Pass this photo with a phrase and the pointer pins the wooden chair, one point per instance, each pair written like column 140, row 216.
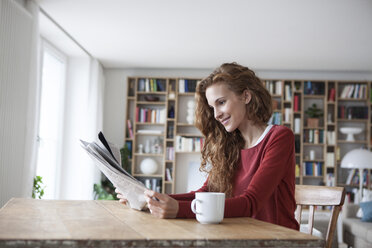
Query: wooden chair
column 311, row 196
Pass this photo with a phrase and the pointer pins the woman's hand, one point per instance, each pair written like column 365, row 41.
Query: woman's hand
column 122, row 199
column 165, row 207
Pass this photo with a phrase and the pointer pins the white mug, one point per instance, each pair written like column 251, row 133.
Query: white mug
column 209, row 207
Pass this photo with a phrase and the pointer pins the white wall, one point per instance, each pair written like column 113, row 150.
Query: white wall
column 115, row 101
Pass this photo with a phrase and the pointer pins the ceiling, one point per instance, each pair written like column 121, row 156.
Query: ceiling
column 333, row 35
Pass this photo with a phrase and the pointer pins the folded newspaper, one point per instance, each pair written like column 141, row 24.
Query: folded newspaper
column 107, row 158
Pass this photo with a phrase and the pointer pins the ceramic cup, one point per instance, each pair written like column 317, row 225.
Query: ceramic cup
column 209, row 207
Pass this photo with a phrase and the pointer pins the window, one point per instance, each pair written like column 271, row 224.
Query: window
column 51, row 118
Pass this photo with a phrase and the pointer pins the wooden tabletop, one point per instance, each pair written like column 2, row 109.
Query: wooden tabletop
column 56, row 223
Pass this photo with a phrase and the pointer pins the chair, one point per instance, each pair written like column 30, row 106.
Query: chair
column 311, row 196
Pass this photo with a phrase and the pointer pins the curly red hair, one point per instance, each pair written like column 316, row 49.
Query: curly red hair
column 222, row 149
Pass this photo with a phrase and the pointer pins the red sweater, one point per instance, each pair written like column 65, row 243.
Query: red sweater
column 264, row 183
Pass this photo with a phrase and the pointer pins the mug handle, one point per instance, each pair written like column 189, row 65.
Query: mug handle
column 193, row 206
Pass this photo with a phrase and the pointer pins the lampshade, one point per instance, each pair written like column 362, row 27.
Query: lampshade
column 357, row 159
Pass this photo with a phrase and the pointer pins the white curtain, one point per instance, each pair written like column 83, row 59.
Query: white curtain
column 18, row 97
column 83, row 120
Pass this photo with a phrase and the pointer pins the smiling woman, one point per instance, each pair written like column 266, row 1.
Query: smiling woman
column 248, row 160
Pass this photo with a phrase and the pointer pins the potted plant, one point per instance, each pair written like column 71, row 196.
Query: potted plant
column 313, row 113
column 38, row 188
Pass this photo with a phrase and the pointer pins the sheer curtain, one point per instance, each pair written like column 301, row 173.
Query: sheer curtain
column 83, row 120
column 18, row 97
column 19, row 109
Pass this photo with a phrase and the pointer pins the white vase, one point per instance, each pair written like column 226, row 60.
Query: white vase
column 147, row 147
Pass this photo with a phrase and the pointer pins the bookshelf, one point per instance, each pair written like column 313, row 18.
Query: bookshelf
column 353, row 110
column 318, row 149
column 157, row 127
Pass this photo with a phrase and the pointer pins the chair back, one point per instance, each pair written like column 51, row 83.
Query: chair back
column 311, row 196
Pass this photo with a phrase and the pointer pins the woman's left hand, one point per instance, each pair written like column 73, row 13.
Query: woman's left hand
column 165, row 207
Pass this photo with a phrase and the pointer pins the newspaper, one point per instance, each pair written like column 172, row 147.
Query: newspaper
column 107, row 158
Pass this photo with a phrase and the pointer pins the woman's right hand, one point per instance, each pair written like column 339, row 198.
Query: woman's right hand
column 122, row 199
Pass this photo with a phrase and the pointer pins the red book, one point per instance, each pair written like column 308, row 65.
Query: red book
column 295, row 103
column 332, row 93
column 137, row 114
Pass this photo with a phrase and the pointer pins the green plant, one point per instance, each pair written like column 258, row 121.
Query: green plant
column 38, row 188
column 125, row 154
column 100, row 192
column 314, row 112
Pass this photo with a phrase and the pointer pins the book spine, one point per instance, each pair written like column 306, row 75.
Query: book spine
column 130, row 130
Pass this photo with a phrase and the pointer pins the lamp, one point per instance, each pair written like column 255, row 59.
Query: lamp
column 358, row 159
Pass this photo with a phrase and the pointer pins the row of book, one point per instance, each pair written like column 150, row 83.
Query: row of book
column 331, row 137
column 153, row 184
column 353, row 112
column 276, row 119
column 287, row 92
column 313, row 168
column 356, row 91
column 189, row 144
column 151, row 85
column 151, row 115
column 330, row 180
column 287, row 114
column 169, row 153
column 274, row 87
column 314, row 88
column 187, row 85
column 353, row 177
column 314, row 136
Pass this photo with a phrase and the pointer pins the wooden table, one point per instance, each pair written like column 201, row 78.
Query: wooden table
column 52, row 223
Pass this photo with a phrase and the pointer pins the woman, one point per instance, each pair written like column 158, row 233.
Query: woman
column 252, row 162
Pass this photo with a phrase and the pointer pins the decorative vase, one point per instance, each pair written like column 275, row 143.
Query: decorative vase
column 147, row 147
column 148, row 166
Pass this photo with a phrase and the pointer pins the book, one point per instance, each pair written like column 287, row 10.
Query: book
column 330, row 159
column 332, row 95
column 297, row 125
column 296, row 103
column 130, row 129
column 108, row 161
column 181, row 86
column 288, row 92
column 168, row 175
column 278, row 87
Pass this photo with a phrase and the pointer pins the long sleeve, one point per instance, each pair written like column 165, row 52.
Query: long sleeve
column 184, row 201
column 264, row 185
